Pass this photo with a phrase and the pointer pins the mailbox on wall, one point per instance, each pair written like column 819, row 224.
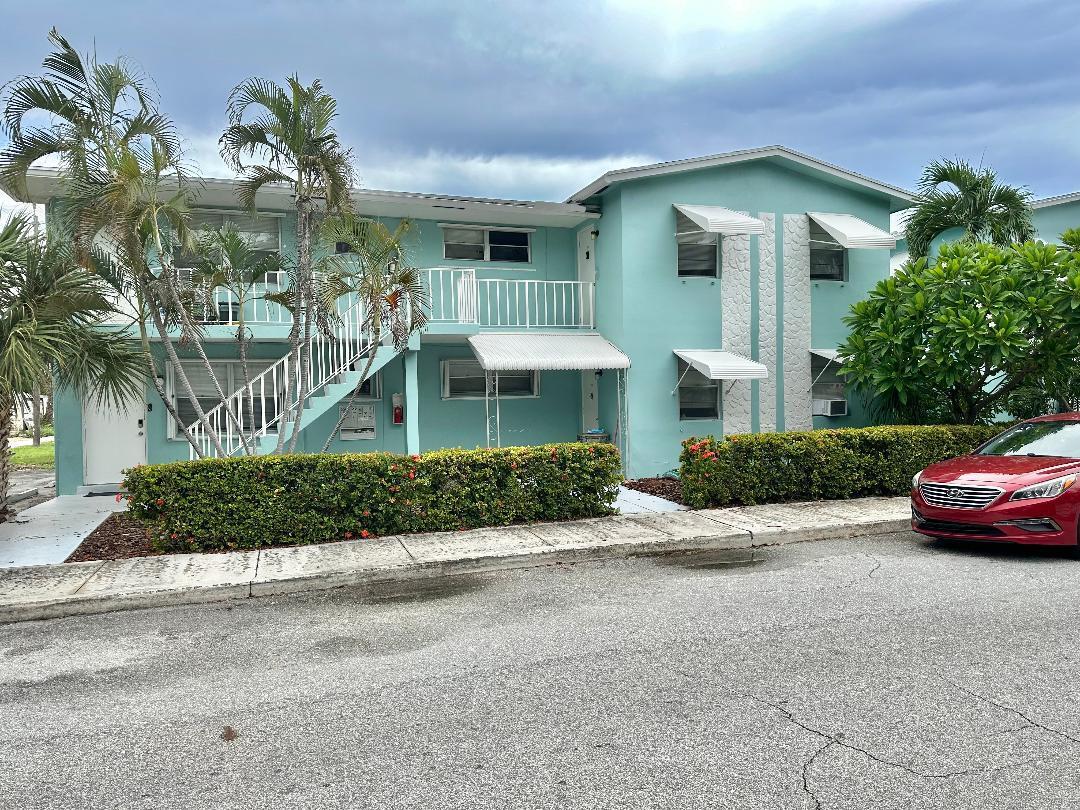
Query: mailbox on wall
column 360, row 422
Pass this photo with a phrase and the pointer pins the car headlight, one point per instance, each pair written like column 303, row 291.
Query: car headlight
column 915, row 481
column 1046, row 489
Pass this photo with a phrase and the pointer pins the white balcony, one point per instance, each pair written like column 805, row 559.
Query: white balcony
column 457, row 296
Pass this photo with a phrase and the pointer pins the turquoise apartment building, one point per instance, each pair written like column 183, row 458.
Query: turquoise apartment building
column 658, row 302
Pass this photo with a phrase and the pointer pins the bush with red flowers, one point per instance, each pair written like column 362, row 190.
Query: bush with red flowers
column 815, row 465
column 251, row 502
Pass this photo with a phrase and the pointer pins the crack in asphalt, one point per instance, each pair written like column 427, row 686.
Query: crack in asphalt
column 806, row 773
column 877, row 565
column 838, row 739
column 1031, row 723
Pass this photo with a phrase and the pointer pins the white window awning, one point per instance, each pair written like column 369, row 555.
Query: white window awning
column 831, row 355
column 518, row 351
column 852, row 232
column 714, row 219
column 718, row 365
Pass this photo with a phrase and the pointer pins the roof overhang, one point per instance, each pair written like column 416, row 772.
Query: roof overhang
column 852, row 232
column 832, row 355
column 898, row 198
column 543, row 351
column 44, row 184
column 714, row 219
column 720, row 365
column 1061, row 199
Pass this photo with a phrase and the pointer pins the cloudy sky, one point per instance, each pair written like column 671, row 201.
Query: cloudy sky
column 535, row 99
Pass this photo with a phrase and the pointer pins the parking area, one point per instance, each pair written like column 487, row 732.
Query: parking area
column 882, row 672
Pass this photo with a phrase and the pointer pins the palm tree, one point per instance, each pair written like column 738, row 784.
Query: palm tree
column 375, row 270
column 126, row 187
column 293, row 135
column 225, row 260
column 954, row 194
column 51, row 327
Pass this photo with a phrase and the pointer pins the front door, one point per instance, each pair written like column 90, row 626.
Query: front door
column 114, row 439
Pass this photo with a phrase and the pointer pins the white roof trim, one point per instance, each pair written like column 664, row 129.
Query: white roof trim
column 714, row 219
column 673, row 166
column 1060, row 199
column 719, row 365
column 543, row 351
column 831, row 355
column 852, row 232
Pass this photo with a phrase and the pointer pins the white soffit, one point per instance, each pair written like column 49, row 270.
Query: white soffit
column 518, row 351
column 826, row 354
column 718, row 365
column 714, row 219
column 852, row 232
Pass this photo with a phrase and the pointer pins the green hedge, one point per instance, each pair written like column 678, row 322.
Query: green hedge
column 216, row 504
column 818, row 464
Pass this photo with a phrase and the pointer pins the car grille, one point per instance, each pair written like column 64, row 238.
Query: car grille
column 954, row 496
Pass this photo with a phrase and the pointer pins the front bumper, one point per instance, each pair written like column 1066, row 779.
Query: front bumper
column 1033, row 522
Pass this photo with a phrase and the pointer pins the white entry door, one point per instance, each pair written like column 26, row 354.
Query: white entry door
column 114, row 439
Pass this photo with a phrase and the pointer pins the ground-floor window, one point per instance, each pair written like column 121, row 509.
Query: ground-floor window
column 699, row 397
column 230, row 377
column 827, row 392
column 465, row 379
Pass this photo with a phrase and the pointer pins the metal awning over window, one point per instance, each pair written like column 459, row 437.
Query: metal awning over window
column 714, row 219
column 852, row 232
column 832, row 355
column 718, row 365
column 546, row 352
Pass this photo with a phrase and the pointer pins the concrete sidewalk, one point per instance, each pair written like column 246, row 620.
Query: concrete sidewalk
column 46, row 591
column 49, row 532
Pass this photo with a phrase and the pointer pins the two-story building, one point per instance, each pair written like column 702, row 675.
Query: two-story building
column 684, row 298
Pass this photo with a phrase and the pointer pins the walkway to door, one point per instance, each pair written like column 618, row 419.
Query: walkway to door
column 47, row 533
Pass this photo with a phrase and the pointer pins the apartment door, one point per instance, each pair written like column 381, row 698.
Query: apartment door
column 114, row 439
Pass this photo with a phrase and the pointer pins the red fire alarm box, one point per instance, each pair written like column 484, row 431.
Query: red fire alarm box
column 399, row 410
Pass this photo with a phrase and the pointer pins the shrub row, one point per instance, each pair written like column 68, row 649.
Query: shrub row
column 236, row 503
column 818, row 464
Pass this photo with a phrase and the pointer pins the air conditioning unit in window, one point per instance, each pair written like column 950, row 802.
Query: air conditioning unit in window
column 830, row 407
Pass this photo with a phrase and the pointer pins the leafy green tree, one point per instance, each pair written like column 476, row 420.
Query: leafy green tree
column 954, row 194
column 52, row 314
column 964, row 334
column 292, row 134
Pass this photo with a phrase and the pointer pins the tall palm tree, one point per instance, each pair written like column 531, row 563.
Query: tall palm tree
column 954, row 194
column 51, row 327
column 126, row 186
column 292, row 134
column 375, row 269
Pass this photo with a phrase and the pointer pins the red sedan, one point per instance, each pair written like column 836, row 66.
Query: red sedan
column 1019, row 487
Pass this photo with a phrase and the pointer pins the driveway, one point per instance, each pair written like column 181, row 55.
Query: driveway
column 884, row 673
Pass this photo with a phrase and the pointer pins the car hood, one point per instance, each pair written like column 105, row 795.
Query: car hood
column 1000, row 469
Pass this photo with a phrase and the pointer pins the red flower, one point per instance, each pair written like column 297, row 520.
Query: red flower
column 412, row 473
column 348, row 535
column 365, row 533
column 367, row 513
column 415, row 457
column 160, row 501
column 173, row 535
column 119, row 496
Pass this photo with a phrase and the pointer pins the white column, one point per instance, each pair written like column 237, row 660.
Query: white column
column 767, row 322
column 735, row 315
column 797, row 405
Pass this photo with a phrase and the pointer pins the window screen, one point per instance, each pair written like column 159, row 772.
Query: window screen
column 699, row 397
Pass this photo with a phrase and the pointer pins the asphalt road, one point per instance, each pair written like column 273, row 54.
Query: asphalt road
column 874, row 673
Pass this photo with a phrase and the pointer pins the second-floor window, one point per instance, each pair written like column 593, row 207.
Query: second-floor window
column 828, row 258
column 699, row 252
column 487, row 244
column 262, row 233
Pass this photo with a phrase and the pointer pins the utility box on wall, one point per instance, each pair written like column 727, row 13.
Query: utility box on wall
column 360, row 422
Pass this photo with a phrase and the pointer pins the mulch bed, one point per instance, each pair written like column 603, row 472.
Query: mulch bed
column 669, row 488
column 119, row 537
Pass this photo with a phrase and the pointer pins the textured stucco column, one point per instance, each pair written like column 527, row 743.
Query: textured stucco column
column 796, row 381
column 412, row 402
column 767, row 323
column 735, row 320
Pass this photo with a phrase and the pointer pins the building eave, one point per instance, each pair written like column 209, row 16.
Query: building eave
column 899, row 198
column 1060, row 199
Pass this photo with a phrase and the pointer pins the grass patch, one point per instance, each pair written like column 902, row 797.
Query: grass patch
column 30, row 456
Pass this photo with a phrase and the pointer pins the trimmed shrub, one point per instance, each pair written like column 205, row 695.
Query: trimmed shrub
column 818, row 464
column 250, row 502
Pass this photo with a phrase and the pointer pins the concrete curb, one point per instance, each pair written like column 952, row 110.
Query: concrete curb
column 52, row 591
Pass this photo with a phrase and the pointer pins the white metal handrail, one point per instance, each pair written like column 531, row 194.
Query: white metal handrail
column 331, row 355
column 457, row 296
column 451, row 294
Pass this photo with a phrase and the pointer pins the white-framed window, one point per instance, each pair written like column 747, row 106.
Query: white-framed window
column 230, row 376
column 699, row 397
column 261, row 231
column 371, row 388
column 828, row 258
column 482, row 244
column 698, row 251
column 464, row 379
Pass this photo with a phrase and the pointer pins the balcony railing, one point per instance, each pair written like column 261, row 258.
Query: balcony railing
column 458, row 296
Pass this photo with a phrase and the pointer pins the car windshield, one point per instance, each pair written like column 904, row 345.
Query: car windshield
column 1037, row 439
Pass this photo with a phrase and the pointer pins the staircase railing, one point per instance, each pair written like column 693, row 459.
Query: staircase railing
column 332, row 354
